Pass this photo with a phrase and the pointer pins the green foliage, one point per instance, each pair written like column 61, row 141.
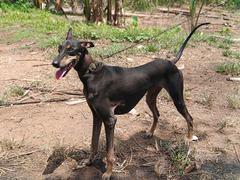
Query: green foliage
column 213, row 41
column 23, row 5
column 231, row 68
column 107, row 50
column 233, row 4
column 48, row 30
column 143, row 5
column 151, row 48
column 180, row 158
column 231, row 54
column 139, row 5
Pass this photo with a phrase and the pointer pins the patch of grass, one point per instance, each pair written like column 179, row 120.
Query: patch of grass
column 2, row 101
column 229, row 68
column 206, row 100
column 213, row 41
column 14, row 91
column 179, row 157
column 151, row 48
column 107, row 50
column 8, row 144
column 233, row 101
column 231, row 54
column 225, row 31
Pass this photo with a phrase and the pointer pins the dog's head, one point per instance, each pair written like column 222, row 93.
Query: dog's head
column 71, row 51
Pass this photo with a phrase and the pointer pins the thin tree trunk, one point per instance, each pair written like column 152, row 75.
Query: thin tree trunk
column 87, row 10
column 118, row 13
column 99, row 11
column 109, row 12
column 93, row 10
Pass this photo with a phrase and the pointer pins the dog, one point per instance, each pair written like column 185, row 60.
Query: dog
column 113, row 90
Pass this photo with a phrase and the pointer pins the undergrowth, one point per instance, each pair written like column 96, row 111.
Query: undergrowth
column 48, row 30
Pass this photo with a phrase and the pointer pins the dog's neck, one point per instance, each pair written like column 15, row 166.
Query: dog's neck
column 82, row 66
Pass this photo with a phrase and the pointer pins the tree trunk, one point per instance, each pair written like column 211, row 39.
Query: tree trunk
column 118, row 13
column 99, row 13
column 87, row 10
column 109, row 12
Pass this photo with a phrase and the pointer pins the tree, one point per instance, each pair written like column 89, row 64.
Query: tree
column 109, row 12
column 118, row 13
column 93, row 11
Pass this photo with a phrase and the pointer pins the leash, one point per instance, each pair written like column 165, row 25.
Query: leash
column 153, row 39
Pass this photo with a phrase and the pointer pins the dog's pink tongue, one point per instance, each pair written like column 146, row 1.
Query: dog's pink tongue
column 59, row 74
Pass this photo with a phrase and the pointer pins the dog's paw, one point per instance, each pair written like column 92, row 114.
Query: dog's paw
column 188, row 140
column 148, row 135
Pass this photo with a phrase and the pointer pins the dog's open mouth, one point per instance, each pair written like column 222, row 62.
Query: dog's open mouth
column 64, row 70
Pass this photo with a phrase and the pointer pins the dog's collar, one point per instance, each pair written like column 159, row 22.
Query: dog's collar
column 94, row 67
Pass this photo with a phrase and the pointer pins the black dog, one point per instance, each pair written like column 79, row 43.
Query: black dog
column 111, row 90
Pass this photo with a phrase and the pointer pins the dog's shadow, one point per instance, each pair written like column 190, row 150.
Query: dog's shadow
column 135, row 157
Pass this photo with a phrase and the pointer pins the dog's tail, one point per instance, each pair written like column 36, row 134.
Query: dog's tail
column 179, row 54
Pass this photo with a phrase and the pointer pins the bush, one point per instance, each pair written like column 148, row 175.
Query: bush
column 23, row 5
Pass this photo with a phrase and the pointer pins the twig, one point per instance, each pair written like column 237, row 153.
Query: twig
column 29, row 60
column 148, row 164
column 157, row 145
column 74, row 102
column 24, row 154
column 2, row 172
column 233, row 79
column 34, row 102
column 52, row 91
column 236, row 153
column 22, row 97
column 37, row 65
column 15, row 79
column 6, row 169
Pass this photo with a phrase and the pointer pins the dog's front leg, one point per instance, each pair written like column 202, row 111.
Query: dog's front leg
column 97, row 124
column 109, row 130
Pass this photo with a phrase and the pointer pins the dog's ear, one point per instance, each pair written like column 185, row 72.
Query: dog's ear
column 87, row 44
column 69, row 34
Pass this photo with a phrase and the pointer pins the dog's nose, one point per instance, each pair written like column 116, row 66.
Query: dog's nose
column 55, row 63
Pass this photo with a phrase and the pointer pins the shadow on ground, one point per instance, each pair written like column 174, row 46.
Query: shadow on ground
column 136, row 158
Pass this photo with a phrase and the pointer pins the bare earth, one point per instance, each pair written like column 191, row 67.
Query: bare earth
column 37, row 129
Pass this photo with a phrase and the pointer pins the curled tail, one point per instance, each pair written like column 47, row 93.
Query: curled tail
column 179, row 54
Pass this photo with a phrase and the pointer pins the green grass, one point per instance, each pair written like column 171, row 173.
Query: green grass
column 233, row 101
column 14, row 91
column 231, row 54
column 229, row 68
column 213, row 41
column 48, row 30
column 179, row 157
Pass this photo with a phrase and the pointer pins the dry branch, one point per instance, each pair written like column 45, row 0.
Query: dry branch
column 54, row 92
column 37, row 65
column 233, row 79
column 24, row 154
column 34, row 102
column 236, row 153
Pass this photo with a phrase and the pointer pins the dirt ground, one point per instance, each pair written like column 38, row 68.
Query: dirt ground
column 32, row 132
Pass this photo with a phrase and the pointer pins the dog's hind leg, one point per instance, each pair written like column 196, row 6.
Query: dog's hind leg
column 151, row 99
column 175, row 90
